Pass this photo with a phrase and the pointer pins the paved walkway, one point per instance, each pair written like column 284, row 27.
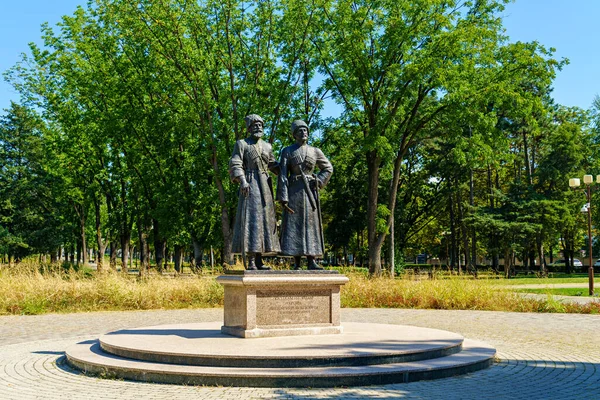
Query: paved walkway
column 563, row 299
column 540, row 356
column 550, row 286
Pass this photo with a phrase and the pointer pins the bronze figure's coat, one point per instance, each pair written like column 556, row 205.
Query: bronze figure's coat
column 255, row 226
column 301, row 232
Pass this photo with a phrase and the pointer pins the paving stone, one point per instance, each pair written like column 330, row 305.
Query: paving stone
column 542, row 356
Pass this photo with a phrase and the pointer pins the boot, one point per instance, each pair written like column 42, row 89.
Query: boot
column 297, row 263
column 260, row 265
column 312, row 265
column 251, row 264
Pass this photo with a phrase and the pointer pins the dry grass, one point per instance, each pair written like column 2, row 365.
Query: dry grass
column 28, row 291
column 448, row 294
column 31, row 289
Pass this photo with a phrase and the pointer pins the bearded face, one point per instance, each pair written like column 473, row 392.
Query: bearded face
column 256, row 130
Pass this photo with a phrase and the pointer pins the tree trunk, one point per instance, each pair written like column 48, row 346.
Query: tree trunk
column 373, row 161
column 392, row 251
column 80, row 210
column 493, row 235
column 463, row 233
column 532, row 257
column 113, row 255
column 507, row 263
column 100, row 243
column 143, row 247
column 159, row 246
column 159, row 254
column 540, row 251
column 78, row 251
column 357, row 252
column 198, row 252
column 178, row 258
column 567, row 251
column 125, row 239
column 362, row 244
column 453, row 241
column 84, row 258
column 463, row 230
column 72, row 255
column 226, row 220
column 473, row 232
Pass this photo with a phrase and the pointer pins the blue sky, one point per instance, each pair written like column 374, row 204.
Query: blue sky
column 566, row 25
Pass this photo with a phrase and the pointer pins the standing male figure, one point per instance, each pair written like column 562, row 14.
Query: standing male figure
column 298, row 191
column 255, row 229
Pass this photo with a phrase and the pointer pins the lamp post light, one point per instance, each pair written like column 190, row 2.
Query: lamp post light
column 588, row 180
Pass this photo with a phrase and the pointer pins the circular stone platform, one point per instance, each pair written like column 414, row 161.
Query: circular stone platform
column 200, row 354
column 203, row 344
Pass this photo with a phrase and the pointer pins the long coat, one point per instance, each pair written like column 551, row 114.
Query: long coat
column 301, row 233
column 254, row 159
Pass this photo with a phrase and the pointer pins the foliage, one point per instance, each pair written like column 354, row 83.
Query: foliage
column 449, row 142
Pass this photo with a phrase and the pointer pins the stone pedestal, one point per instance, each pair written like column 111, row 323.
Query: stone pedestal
column 282, row 303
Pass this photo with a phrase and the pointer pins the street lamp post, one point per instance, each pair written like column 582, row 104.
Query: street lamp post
column 588, row 180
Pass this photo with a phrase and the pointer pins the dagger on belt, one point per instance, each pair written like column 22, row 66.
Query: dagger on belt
column 297, row 160
column 309, row 192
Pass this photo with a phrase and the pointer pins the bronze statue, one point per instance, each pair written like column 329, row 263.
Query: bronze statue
column 298, row 191
column 255, row 229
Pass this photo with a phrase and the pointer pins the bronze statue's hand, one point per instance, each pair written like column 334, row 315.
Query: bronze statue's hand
column 245, row 188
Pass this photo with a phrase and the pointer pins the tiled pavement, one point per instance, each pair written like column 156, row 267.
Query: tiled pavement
column 541, row 356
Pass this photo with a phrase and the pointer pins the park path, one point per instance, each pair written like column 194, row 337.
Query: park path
column 540, row 356
column 549, row 286
column 560, row 298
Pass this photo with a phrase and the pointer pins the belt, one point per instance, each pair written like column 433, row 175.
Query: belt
column 298, row 177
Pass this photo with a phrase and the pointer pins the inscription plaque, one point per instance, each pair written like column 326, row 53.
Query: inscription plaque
column 275, row 308
column 284, row 303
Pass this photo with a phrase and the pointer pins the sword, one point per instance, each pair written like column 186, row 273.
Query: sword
column 309, row 193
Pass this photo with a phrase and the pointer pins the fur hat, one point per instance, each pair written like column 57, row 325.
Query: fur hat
column 297, row 124
column 253, row 118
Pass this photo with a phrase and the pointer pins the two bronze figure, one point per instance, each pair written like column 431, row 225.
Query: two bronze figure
column 255, row 229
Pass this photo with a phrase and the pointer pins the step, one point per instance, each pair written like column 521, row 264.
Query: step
column 473, row 355
column 203, row 344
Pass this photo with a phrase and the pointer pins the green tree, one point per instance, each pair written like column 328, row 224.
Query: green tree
column 31, row 219
column 399, row 67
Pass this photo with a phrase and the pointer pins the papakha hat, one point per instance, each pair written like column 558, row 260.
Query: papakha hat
column 297, row 124
column 253, row 118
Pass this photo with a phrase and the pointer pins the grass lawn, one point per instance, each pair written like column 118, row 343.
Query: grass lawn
column 552, row 279
column 583, row 292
